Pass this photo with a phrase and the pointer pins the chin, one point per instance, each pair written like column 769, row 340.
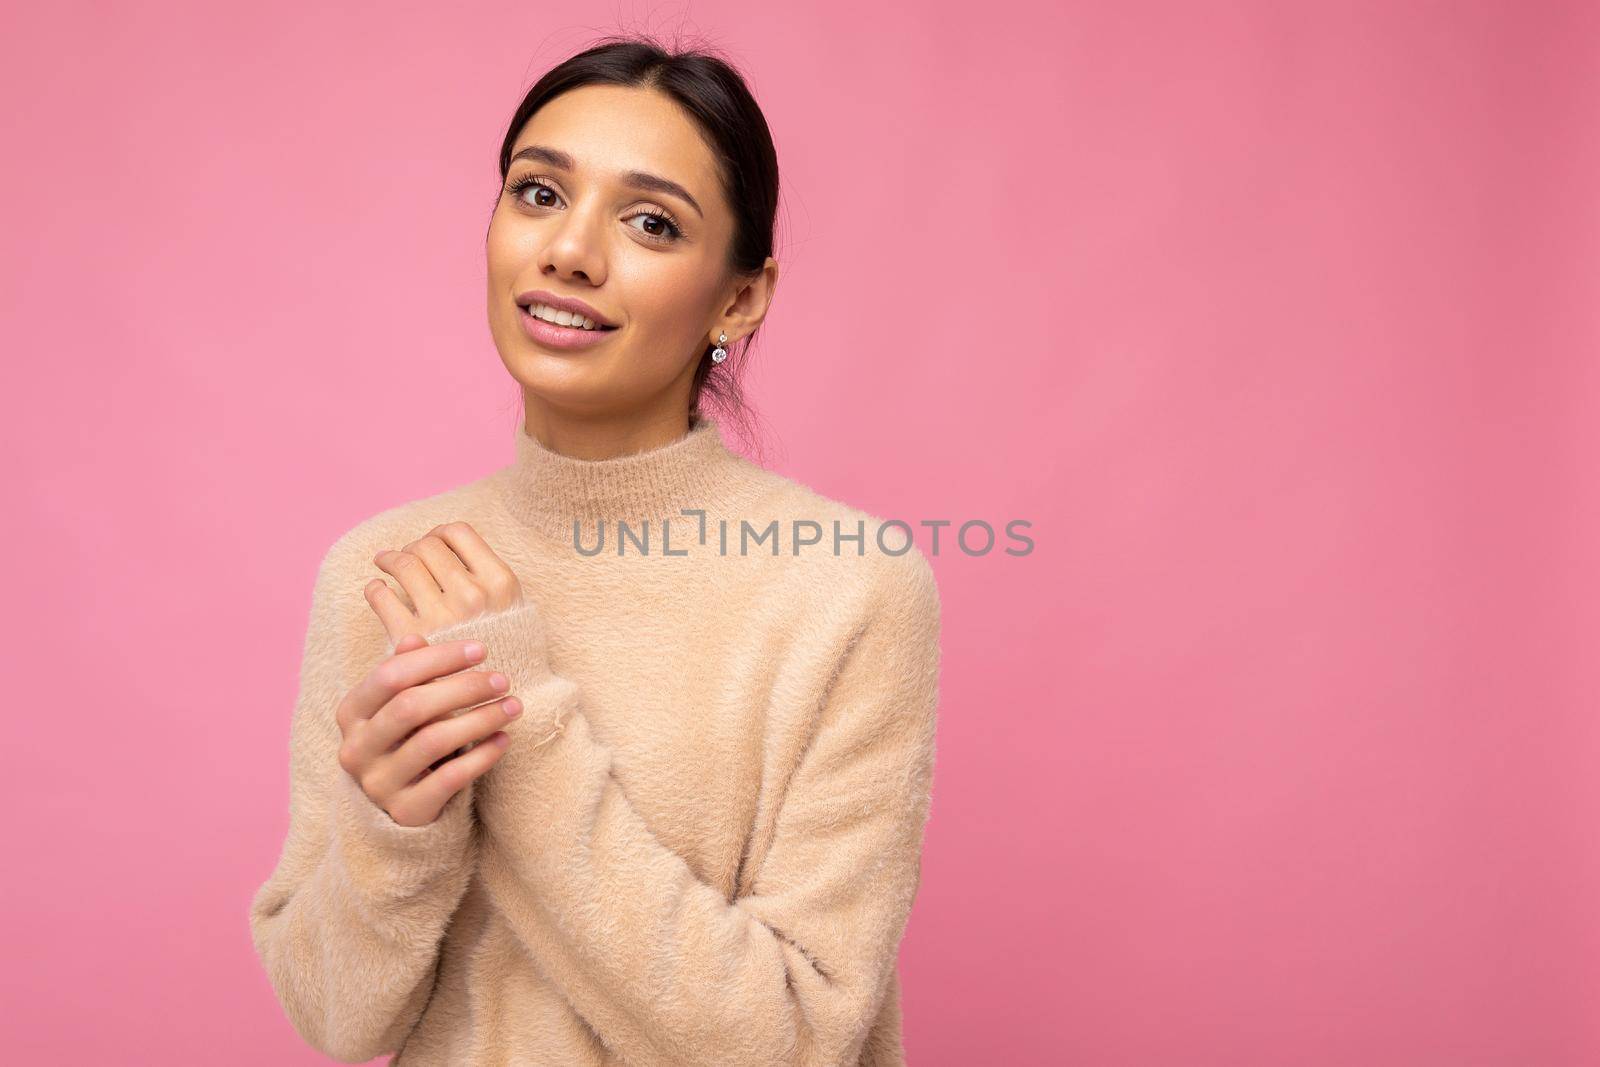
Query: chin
column 563, row 380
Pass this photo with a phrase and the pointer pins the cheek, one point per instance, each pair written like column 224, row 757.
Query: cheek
column 510, row 244
column 501, row 253
column 667, row 299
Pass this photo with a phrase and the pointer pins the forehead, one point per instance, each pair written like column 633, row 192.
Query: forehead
column 609, row 129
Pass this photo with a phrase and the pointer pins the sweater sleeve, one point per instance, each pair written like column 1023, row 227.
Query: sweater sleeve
column 662, row 965
column 348, row 925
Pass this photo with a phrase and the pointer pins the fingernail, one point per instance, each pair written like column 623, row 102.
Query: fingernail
column 474, row 650
column 513, row 707
column 498, row 681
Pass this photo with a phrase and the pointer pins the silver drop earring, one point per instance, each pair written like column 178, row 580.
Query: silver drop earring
column 719, row 353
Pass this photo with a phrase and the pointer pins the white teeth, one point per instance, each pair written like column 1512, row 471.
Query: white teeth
column 561, row 318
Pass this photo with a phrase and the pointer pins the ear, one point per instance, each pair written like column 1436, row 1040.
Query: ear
column 751, row 298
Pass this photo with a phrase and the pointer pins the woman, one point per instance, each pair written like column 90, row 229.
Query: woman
column 657, row 804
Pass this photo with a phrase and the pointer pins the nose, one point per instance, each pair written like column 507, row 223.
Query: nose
column 575, row 248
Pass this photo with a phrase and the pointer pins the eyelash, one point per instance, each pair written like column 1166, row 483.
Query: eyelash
column 516, row 187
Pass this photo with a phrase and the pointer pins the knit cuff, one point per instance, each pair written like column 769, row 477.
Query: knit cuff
column 385, row 858
column 513, row 638
column 516, row 645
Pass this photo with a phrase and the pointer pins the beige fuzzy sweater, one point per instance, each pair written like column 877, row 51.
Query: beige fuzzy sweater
column 703, row 843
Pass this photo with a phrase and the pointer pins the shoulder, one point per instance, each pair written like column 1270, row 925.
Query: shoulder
column 351, row 552
column 346, row 567
column 342, row 623
column 880, row 612
column 856, row 556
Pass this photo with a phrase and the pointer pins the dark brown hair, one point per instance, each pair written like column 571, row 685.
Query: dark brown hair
column 716, row 97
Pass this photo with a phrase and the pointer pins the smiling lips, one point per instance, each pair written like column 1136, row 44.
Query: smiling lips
column 556, row 335
column 569, row 304
column 564, row 317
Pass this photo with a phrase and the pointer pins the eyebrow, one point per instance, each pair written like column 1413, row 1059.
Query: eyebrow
column 637, row 179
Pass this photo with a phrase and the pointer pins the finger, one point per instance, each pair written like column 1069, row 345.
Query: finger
column 414, row 708
column 473, row 551
column 409, row 642
column 402, row 671
column 446, row 566
column 415, row 578
column 423, row 801
column 439, row 742
column 395, row 616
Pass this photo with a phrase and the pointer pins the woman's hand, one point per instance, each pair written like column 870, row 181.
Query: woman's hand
column 402, row 723
column 450, row 575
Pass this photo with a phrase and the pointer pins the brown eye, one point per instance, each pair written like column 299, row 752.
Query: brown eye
column 657, row 226
column 520, row 186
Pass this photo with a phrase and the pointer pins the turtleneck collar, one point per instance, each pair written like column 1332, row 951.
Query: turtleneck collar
column 547, row 490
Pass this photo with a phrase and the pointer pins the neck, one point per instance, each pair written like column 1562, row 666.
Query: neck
column 549, row 490
column 603, row 437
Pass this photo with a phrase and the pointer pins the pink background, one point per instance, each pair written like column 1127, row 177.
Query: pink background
column 1277, row 321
